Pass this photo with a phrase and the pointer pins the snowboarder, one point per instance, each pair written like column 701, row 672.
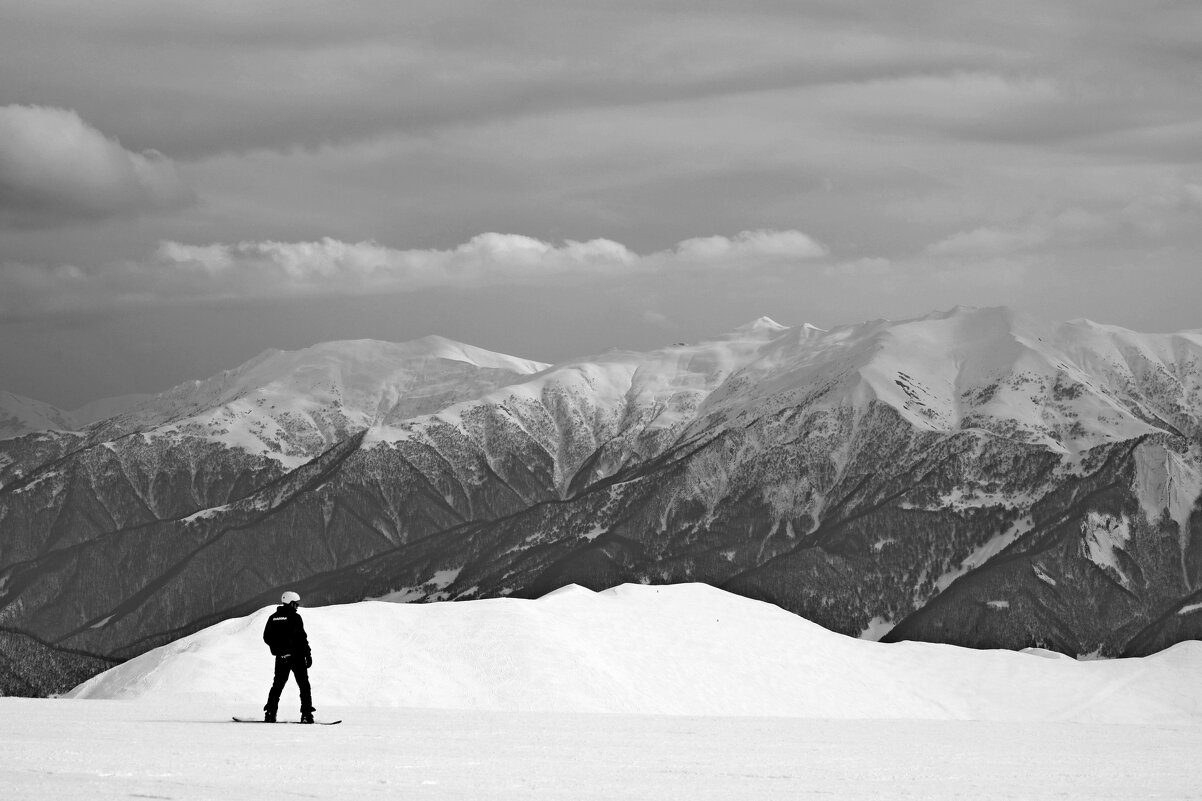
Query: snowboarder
column 285, row 635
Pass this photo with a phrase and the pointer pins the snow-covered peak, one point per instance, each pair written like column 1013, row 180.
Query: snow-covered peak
column 20, row 415
column 611, row 397
column 1068, row 386
column 295, row 403
column 684, row 649
column 995, row 369
column 761, row 326
column 1073, row 383
column 357, row 366
column 434, row 346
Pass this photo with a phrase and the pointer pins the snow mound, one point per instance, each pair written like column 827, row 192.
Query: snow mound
column 684, row 649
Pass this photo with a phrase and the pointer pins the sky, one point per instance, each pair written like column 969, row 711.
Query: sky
column 183, row 185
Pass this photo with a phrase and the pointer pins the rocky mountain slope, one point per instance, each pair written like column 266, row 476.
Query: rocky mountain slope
column 975, row 477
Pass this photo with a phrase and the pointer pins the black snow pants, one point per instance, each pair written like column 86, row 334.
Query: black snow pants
column 284, row 665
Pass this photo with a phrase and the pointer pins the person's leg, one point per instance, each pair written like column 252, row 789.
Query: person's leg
column 277, row 687
column 302, row 683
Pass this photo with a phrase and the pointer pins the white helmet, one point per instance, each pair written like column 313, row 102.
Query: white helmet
column 290, row 597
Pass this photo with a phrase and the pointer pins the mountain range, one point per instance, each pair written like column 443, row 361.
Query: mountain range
column 975, row 477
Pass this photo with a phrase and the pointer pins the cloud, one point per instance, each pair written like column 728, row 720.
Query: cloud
column 329, row 265
column 368, row 73
column 1175, row 206
column 657, row 319
column 750, row 245
column 990, row 241
column 870, row 267
column 56, row 169
column 178, row 272
column 877, row 130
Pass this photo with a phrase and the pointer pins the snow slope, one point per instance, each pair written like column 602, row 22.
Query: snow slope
column 291, row 405
column 1064, row 387
column 683, row 650
column 20, row 415
column 1067, row 386
column 614, row 408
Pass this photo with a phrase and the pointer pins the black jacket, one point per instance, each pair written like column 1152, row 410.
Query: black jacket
column 285, row 633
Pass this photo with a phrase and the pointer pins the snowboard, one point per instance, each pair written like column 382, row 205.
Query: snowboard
column 297, row 722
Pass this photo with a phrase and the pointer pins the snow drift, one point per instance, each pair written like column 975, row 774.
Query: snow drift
column 685, row 649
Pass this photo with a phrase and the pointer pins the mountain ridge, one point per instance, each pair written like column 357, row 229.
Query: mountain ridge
column 973, row 476
column 436, row 346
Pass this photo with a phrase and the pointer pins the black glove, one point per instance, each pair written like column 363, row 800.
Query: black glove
column 309, row 660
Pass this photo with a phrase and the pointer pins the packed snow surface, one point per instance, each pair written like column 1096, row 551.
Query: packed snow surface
column 765, row 706
column 101, row 750
column 683, row 649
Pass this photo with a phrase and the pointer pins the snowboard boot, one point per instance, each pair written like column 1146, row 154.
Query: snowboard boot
column 306, row 717
column 269, row 717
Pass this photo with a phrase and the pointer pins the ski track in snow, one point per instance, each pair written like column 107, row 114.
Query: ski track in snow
column 100, row 750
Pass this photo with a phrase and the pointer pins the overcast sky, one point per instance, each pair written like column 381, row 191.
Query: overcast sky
column 183, row 185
